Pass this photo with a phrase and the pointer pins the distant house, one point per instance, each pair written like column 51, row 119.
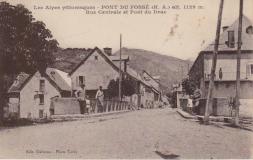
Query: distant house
column 177, row 94
column 116, row 59
column 147, row 95
column 154, row 83
column 225, row 74
column 30, row 95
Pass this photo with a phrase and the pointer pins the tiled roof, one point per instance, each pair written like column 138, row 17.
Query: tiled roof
column 57, row 78
column 19, row 82
column 137, row 76
column 247, row 39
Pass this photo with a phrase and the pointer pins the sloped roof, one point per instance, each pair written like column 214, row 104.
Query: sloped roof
column 96, row 49
column 151, row 76
column 60, row 78
column 247, row 39
column 137, row 76
column 157, row 77
column 19, row 82
column 58, row 81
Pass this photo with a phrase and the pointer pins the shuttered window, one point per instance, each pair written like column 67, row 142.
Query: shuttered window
column 80, row 80
column 249, row 70
column 41, row 96
column 231, row 39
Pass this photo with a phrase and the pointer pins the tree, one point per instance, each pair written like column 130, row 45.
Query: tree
column 113, row 88
column 188, row 86
column 128, row 87
column 25, row 45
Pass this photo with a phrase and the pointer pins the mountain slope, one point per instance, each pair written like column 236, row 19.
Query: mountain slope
column 170, row 69
column 67, row 59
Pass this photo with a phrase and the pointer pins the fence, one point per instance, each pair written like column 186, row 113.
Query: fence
column 60, row 106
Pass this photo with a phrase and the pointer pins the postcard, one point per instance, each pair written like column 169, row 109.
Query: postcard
column 126, row 79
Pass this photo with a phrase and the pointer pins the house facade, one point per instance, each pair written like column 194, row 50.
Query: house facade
column 95, row 70
column 225, row 73
column 151, row 81
column 30, row 95
column 146, row 95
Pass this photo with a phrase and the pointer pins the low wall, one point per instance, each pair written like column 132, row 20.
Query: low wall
column 220, row 107
column 65, row 106
column 246, row 108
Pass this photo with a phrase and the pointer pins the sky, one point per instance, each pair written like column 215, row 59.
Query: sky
column 181, row 33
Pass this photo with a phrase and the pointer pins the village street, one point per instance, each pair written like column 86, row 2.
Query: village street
column 135, row 134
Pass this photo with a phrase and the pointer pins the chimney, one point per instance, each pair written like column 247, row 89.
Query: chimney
column 108, row 51
column 224, row 28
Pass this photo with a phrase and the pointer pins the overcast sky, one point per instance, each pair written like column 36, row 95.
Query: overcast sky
column 179, row 33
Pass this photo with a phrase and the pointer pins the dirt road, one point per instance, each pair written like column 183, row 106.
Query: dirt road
column 135, row 134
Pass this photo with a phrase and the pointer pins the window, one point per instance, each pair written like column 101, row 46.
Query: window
column 42, row 85
column 231, row 39
column 41, row 96
column 80, row 80
column 96, row 57
column 251, row 69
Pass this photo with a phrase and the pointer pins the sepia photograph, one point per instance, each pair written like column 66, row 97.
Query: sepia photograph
column 126, row 79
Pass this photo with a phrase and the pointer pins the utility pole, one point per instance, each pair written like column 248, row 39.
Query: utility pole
column 238, row 66
column 214, row 61
column 120, row 75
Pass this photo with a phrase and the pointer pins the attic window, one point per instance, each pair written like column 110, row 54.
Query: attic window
column 96, row 57
column 42, row 85
column 249, row 30
column 231, row 39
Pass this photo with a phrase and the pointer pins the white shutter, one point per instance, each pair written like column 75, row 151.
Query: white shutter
column 77, row 81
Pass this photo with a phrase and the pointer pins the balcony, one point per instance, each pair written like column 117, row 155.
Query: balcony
column 228, row 76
